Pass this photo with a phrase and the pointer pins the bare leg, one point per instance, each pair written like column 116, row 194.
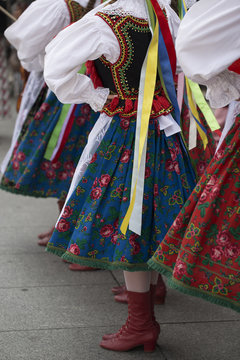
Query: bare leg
column 159, row 290
column 44, row 238
column 138, row 281
column 45, row 234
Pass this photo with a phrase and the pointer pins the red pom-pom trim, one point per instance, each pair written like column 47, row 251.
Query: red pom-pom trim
column 114, row 103
column 128, row 106
column 135, row 105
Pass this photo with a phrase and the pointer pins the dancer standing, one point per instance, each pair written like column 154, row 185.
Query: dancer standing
column 200, row 253
column 27, row 169
column 116, row 39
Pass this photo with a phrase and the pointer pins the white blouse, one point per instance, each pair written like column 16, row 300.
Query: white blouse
column 36, row 27
column 88, row 39
column 208, row 42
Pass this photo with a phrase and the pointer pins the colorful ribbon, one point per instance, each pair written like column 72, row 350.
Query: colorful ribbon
column 160, row 56
column 66, row 134
column 59, row 131
column 196, row 99
column 53, row 141
column 150, row 73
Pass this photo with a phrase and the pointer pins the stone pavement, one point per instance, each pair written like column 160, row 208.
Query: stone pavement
column 50, row 313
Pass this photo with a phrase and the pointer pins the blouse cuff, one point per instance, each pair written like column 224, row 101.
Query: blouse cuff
column 99, row 99
column 223, row 89
column 36, row 64
column 169, row 125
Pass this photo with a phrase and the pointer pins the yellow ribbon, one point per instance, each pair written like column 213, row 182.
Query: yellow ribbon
column 194, row 91
column 149, row 89
column 184, row 4
column 195, row 114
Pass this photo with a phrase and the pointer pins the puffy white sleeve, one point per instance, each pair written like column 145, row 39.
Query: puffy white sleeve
column 208, row 42
column 208, row 39
column 35, row 28
column 87, row 39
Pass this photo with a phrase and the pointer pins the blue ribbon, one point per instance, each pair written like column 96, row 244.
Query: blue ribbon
column 168, row 75
column 186, row 102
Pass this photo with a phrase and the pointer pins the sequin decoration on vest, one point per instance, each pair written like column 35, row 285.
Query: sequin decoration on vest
column 123, row 77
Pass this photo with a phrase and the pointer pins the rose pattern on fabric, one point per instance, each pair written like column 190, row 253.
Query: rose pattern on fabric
column 28, row 173
column 106, row 195
column 200, row 157
column 206, row 233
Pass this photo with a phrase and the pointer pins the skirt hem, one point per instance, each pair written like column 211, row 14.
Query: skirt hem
column 176, row 284
column 26, row 193
column 101, row 264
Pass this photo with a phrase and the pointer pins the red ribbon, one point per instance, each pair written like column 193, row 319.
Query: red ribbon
column 66, row 134
column 163, row 23
column 235, row 67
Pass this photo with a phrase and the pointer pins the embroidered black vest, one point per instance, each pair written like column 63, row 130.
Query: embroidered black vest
column 123, row 77
column 76, row 11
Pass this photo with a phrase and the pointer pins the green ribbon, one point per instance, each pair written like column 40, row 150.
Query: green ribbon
column 56, row 132
column 203, row 106
column 58, row 128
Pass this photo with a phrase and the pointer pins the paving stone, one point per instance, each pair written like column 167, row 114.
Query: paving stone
column 59, row 307
column 201, row 341
column 64, row 344
column 21, row 211
column 14, row 241
column 43, row 269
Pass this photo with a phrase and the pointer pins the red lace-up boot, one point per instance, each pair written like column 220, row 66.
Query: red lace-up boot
column 155, row 323
column 139, row 329
column 153, row 297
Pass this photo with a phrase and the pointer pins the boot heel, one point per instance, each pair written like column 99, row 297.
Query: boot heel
column 150, row 347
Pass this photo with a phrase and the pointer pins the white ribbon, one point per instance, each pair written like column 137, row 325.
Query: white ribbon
column 233, row 111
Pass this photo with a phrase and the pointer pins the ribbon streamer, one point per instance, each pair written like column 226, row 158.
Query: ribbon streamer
column 7, row 13
column 54, row 139
column 161, row 57
column 196, row 99
column 142, row 130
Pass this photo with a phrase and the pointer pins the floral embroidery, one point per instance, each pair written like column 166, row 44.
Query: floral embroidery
column 99, row 205
column 176, row 199
column 28, row 172
column 219, row 288
column 193, row 231
column 207, row 232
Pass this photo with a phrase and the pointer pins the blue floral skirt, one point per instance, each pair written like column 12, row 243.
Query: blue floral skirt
column 28, row 173
column 88, row 231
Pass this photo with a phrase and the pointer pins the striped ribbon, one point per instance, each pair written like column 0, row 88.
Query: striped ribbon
column 54, row 140
column 58, row 133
